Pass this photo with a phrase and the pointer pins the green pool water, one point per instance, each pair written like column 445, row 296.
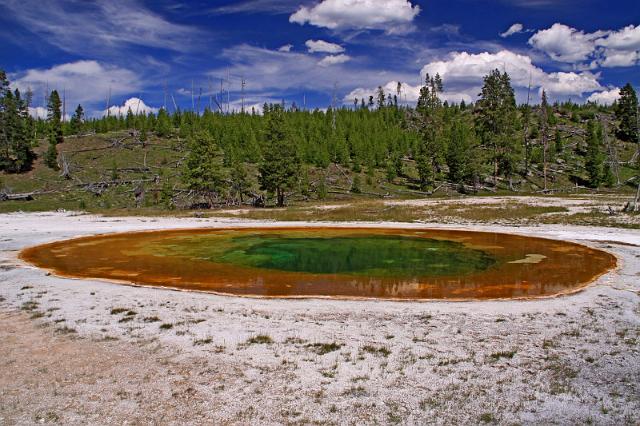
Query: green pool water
column 331, row 262
column 377, row 255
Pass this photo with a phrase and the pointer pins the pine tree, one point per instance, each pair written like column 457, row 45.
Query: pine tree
column 130, row 119
column 16, row 129
column 77, row 120
column 558, row 142
column 239, row 180
column 163, row 126
column 356, row 185
column 429, row 121
column 627, row 113
column 23, row 155
column 321, row 189
column 204, row 172
column 594, row 161
column 496, row 121
column 54, row 116
column 9, row 125
column 380, row 97
column 461, row 155
column 280, row 165
column 391, row 171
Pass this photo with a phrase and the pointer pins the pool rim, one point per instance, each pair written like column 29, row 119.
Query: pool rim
column 617, row 263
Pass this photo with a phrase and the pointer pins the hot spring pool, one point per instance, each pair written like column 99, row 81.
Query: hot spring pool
column 331, row 262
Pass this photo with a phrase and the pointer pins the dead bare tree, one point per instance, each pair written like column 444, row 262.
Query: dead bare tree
column 525, row 133
column 65, row 170
column 544, row 118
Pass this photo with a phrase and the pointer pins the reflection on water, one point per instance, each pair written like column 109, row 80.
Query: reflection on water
column 342, row 262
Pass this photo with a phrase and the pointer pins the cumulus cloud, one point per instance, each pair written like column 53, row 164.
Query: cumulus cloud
column 334, row 59
column 620, row 48
column 628, row 39
column 284, row 73
column 565, row 44
column 323, row 46
column 81, row 81
column 136, row 105
column 285, row 48
column 562, row 43
column 392, row 16
column 513, row 29
column 606, row 97
column 463, row 69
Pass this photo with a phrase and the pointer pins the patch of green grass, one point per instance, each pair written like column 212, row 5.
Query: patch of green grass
column 151, row 319
column 324, row 348
column 377, row 350
column 503, row 354
column 29, row 306
column 561, row 375
column 66, row 330
column 201, row 342
column 260, row 339
column 487, row 418
column 356, row 391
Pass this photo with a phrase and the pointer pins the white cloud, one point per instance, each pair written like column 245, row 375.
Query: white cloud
column 274, row 7
column 561, row 43
column 41, row 113
column 628, row 39
column 464, row 67
column 615, row 58
column 38, row 112
column 323, row 46
column 393, row 16
column 284, row 73
column 620, row 48
column 565, row 44
column 408, row 94
column 465, row 70
column 513, row 29
column 84, row 82
column 606, row 97
column 570, row 83
column 333, row 60
column 285, row 48
column 136, row 105
column 277, row 73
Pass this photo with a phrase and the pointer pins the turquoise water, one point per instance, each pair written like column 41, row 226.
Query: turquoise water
column 378, row 255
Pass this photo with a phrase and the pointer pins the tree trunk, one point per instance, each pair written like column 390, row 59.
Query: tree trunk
column 544, row 161
column 280, row 197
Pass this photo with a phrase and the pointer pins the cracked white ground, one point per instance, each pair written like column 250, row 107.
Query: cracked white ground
column 83, row 351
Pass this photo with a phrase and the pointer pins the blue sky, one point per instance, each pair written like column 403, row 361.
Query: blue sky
column 309, row 51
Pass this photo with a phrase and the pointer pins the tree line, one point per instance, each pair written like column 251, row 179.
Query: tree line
column 489, row 142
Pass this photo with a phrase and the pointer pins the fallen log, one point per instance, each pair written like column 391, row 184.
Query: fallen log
column 24, row 196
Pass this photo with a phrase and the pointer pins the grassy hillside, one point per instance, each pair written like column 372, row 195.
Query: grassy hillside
column 115, row 171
